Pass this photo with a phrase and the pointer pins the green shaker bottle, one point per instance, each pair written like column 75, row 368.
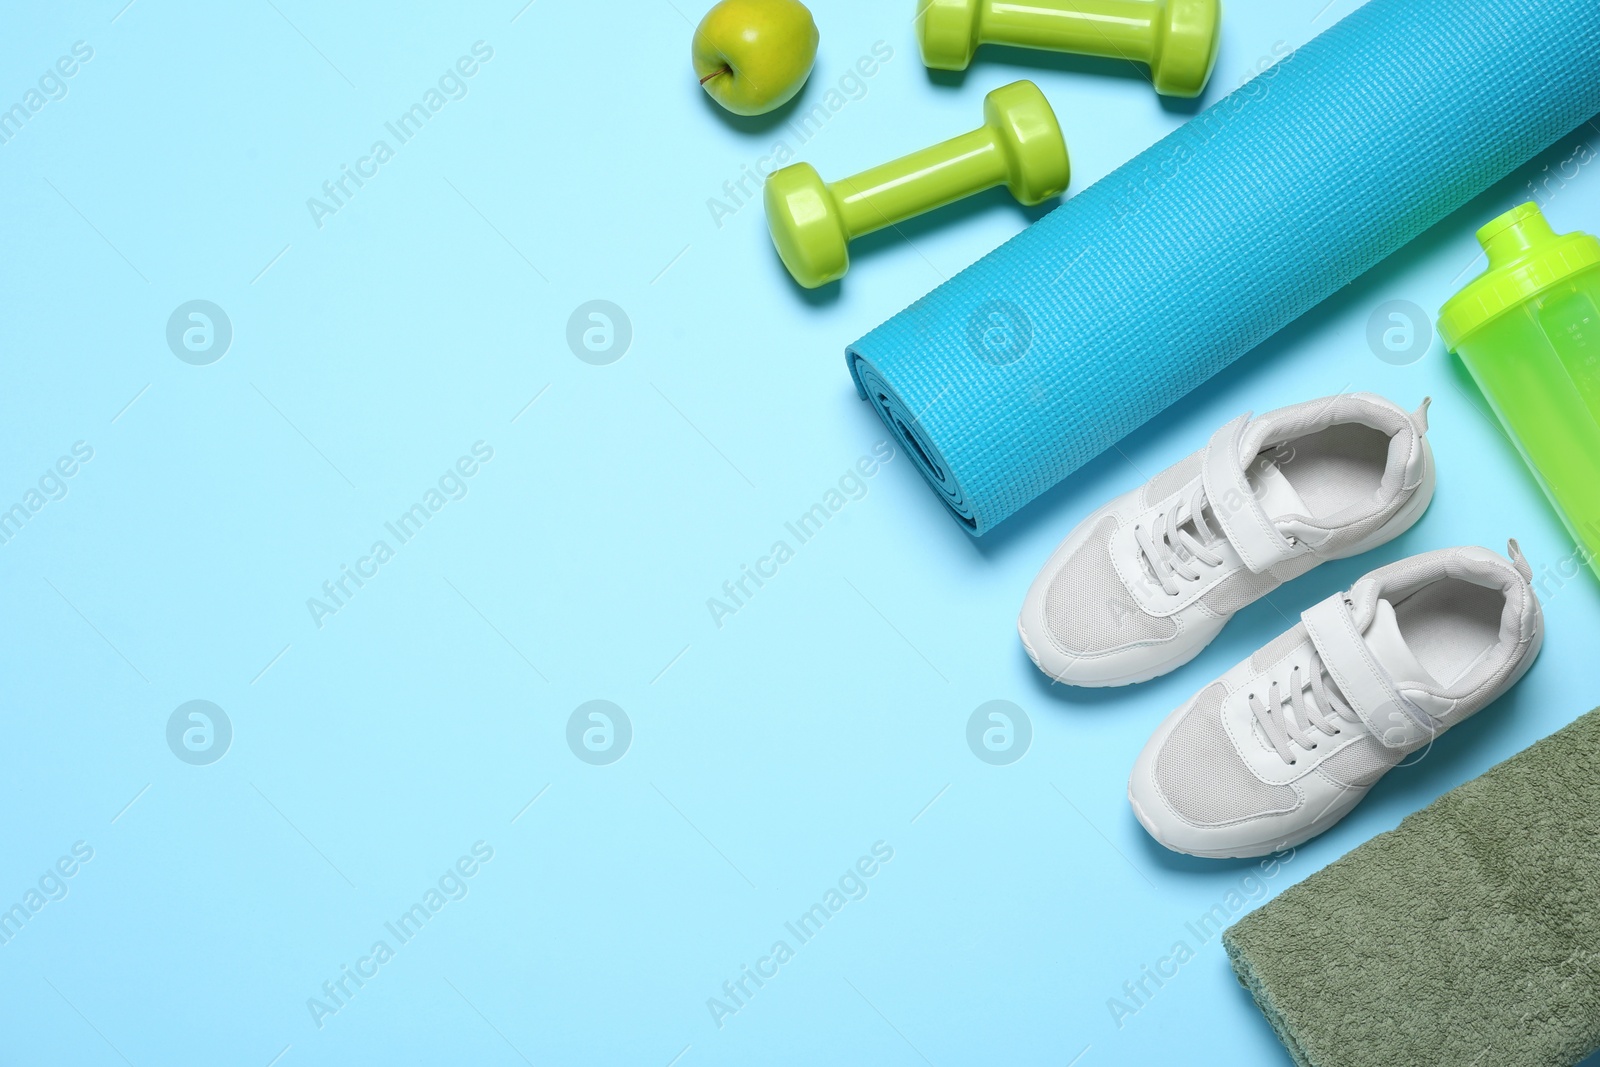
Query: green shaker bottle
column 1529, row 331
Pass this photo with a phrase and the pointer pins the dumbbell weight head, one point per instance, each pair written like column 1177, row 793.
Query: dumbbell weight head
column 806, row 225
column 1025, row 127
column 947, row 32
column 1186, row 46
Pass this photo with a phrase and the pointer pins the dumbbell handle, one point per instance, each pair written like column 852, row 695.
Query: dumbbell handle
column 1116, row 29
column 922, row 181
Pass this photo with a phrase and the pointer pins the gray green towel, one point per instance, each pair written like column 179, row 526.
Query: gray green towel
column 1468, row 936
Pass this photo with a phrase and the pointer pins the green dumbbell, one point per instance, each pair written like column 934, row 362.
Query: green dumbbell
column 1176, row 38
column 1019, row 146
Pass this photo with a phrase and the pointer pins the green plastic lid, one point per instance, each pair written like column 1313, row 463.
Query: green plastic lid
column 1526, row 257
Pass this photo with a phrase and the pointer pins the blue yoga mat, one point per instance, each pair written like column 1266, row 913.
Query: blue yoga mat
column 1035, row 359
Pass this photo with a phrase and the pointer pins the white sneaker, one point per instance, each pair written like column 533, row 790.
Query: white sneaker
column 1286, row 743
column 1141, row 586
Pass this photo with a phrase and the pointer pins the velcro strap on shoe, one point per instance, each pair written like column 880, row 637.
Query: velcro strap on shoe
column 1393, row 720
column 1244, row 521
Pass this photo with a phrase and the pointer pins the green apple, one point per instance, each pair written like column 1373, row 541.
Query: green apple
column 753, row 55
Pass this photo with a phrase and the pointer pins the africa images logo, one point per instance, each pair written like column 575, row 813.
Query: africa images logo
column 999, row 733
column 599, row 732
column 199, row 332
column 199, row 733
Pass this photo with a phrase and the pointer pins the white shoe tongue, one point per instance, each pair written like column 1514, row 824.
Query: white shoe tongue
column 1277, row 496
column 1389, row 648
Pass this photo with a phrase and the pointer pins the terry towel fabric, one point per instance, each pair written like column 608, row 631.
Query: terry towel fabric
column 1040, row 356
column 1469, row 935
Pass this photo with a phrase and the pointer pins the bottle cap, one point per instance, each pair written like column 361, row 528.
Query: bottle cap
column 1526, row 258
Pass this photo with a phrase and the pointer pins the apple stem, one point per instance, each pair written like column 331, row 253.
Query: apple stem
column 725, row 69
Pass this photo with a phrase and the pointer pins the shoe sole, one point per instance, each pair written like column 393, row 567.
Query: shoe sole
column 1145, row 675
column 1321, row 824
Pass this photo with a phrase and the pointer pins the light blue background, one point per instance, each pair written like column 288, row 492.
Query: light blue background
column 769, row 754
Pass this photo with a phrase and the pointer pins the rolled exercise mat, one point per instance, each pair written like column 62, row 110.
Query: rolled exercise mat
column 1468, row 935
column 1013, row 374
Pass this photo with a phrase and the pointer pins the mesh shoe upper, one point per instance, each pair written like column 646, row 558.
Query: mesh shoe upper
column 1089, row 608
column 1203, row 778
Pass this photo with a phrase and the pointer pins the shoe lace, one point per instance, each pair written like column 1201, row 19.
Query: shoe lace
column 1178, row 543
column 1286, row 716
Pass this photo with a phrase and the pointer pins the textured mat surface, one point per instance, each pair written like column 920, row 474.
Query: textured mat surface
column 1010, row 376
column 1468, row 935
